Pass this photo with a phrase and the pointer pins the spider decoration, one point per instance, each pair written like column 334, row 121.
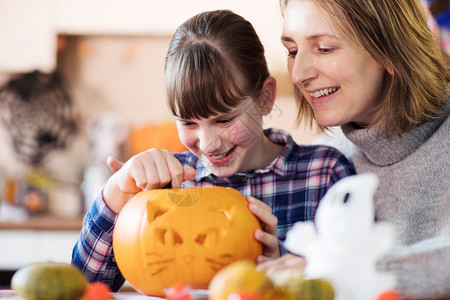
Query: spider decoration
column 37, row 112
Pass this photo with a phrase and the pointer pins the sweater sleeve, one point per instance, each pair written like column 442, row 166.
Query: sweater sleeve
column 422, row 269
column 93, row 252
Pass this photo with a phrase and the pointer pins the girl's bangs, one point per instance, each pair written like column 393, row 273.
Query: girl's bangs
column 203, row 84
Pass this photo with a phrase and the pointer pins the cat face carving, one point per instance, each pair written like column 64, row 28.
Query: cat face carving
column 163, row 237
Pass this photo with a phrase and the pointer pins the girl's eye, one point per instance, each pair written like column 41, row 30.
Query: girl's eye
column 226, row 121
column 187, row 124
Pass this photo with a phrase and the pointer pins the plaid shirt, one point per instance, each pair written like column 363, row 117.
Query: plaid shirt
column 292, row 185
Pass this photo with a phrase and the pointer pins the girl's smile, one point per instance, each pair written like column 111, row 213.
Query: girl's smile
column 221, row 159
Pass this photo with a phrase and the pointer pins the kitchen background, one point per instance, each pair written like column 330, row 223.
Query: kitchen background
column 83, row 79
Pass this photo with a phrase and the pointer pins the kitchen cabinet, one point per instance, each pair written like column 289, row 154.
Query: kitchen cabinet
column 161, row 18
column 29, row 28
column 135, row 17
column 38, row 239
column 27, row 36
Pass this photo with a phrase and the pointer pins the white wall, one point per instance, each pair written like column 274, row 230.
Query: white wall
column 162, row 17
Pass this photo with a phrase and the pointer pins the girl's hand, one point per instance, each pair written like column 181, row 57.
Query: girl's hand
column 267, row 236
column 287, row 261
column 151, row 169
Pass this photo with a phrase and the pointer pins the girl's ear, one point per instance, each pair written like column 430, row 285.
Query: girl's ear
column 267, row 97
column 390, row 70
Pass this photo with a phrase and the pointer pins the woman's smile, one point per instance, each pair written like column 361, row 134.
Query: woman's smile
column 323, row 95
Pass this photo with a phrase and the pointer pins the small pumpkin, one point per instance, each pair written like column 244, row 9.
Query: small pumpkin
column 49, row 281
column 182, row 236
column 241, row 280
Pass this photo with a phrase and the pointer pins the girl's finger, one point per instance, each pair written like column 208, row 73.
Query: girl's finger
column 114, row 164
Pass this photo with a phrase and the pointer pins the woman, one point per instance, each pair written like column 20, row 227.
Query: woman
column 373, row 67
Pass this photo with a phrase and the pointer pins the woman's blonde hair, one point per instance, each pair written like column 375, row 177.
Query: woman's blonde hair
column 396, row 35
column 215, row 60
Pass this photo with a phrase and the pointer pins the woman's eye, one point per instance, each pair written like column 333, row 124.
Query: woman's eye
column 325, row 50
column 292, row 53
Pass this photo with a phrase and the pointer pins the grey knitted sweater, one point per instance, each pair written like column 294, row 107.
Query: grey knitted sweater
column 414, row 196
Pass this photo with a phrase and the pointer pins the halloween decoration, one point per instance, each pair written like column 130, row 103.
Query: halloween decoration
column 107, row 134
column 37, row 112
column 345, row 243
column 182, row 236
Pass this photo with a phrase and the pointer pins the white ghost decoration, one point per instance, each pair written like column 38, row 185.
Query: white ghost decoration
column 345, row 243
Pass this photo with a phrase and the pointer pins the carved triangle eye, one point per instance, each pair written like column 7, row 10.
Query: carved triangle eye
column 156, row 210
column 226, row 211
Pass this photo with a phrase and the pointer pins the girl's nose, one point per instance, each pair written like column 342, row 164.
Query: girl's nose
column 210, row 140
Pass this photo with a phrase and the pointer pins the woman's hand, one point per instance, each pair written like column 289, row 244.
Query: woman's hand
column 287, row 261
column 267, row 236
column 151, row 169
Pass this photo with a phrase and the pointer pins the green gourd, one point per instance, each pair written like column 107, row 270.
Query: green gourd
column 315, row 289
column 49, row 281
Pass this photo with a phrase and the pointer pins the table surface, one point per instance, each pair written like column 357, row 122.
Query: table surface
column 12, row 295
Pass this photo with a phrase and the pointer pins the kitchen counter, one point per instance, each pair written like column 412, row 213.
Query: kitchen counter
column 44, row 223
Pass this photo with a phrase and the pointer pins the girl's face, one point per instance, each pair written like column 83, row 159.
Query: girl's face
column 228, row 143
column 340, row 80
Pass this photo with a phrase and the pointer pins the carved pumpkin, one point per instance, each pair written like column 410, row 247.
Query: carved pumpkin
column 182, row 236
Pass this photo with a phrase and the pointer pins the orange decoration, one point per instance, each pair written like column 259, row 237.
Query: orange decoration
column 97, row 291
column 183, row 236
column 178, row 292
column 160, row 135
column 389, row 295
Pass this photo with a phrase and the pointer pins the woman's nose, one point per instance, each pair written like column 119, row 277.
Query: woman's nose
column 303, row 69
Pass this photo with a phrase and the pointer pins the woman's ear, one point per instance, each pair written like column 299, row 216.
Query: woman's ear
column 267, row 97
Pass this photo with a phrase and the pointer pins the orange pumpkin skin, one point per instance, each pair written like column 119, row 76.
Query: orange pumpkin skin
column 183, row 236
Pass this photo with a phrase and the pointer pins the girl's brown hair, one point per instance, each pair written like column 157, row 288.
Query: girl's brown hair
column 215, row 60
column 396, row 35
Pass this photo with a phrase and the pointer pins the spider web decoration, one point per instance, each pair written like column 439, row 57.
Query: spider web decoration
column 38, row 114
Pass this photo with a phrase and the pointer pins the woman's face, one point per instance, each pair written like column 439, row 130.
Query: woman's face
column 340, row 80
